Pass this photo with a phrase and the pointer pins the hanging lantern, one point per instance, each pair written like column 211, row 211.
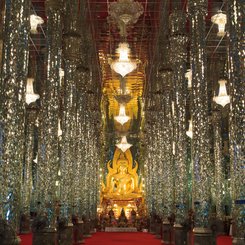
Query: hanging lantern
column 122, row 117
column 123, row 145
column 35, row 21
column 222, row 99
column 30, row 95
column 220, row 19
column 189, row 133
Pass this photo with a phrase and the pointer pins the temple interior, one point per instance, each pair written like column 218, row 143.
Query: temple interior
column 122, row 116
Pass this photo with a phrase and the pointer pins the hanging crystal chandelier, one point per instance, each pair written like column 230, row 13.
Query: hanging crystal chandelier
column 34, row 21
column 222, row 99
column 30, row 95
column 123, row 65
column 188, row 75
column 122, row 117
column 220, row 19
column 123, row 145
column 189, row 133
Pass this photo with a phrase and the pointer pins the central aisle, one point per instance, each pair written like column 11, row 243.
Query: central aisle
column 114, row 238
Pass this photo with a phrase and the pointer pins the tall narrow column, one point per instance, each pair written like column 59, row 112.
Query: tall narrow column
column 200, row 147
column 27, row 169
column 178, row 41
column 167, row 147
column 72, row 42
column 235, row 17
column 219, row 170
column 48, row 154
column 12, row 106
column 83, row 76
column 2, row 8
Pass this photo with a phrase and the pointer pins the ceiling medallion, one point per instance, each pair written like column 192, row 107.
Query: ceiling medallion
column 123, row 65
column 123, row 145
column 125, row 13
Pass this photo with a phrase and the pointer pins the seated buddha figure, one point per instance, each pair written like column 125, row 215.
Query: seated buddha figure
column 122, row 182
column 122, row 178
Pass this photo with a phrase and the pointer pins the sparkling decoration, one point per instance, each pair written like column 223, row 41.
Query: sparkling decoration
column 200, row 142
column 178, row 41
column 123, row 145
column 35, row 21
column 69, row 120
column 123, row 66
column 12, row 107
column 48, row 152
column 56, row 152
column 167, row 145
column 220, row 19
column 189, row 133
column 122, row 118
column 219, row 169
column 30, row 95
column 27, row 181
column 235, row 17
column 125, row 13
column 222, row 99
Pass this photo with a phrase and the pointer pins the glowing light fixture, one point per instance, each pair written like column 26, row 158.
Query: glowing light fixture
column 30, row 95
column 122, row 117
column 189, row 133
column 220, row 19
column 62, row 74
column 123, row 65
column 35, row 20
column 59, row 128
column 36, row 159
column 188, row 75
column 123, row 145
column 222, row 99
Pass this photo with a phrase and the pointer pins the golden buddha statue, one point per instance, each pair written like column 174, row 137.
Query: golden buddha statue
column 122, row 180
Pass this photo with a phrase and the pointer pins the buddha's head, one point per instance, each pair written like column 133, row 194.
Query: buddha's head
column 122, row 163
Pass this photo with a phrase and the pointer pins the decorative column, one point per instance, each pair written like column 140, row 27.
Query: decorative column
column 235, row 27
column 167, row 147
column 2, row 8
column 72, row 42
column 27, row 170
column 178, row 42
column 200, row 147
column 149, row 158
column 219, row 169
column 48, row 152
column 12, row 107
column 83, row 76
